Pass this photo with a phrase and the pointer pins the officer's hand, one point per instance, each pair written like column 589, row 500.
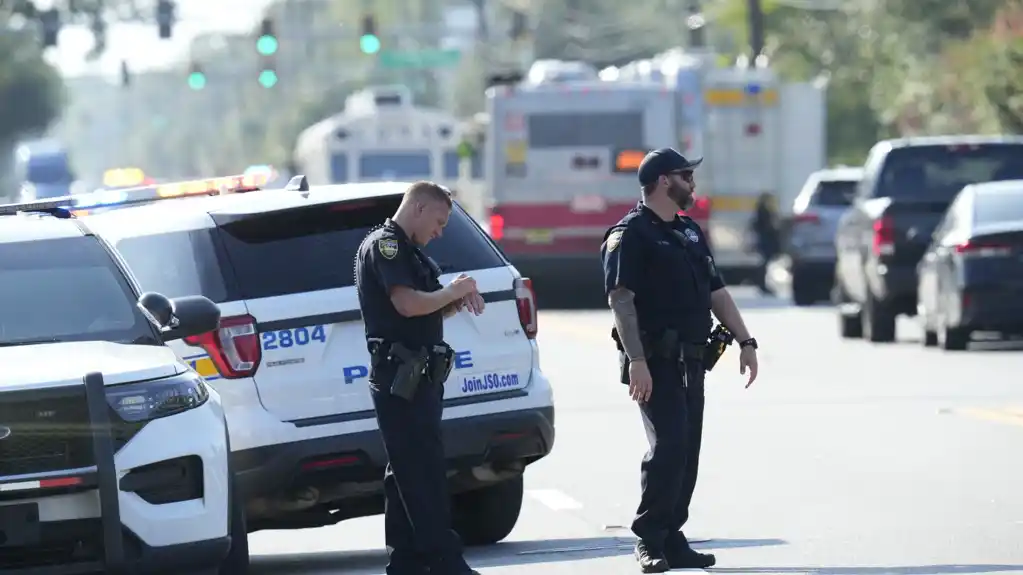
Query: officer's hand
column 462, row 286
column 640, row 382
column 474, row 303
column 748, row 361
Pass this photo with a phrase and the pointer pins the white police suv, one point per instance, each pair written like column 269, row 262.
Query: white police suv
column 290, row 359
column 113, row 451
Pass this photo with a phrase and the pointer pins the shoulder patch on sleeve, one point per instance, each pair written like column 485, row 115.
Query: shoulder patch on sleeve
column 615, row 239
column 388, row 247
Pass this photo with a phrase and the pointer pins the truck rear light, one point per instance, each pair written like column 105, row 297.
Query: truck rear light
column 983, row 249
column 496, row 227
column 884, row 236
column 233, row 347
column 525, row 300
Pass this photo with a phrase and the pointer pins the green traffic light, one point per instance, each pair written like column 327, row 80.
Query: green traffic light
column 197, row 80
column 369, row 44
column 268, row 78
column 267, row 45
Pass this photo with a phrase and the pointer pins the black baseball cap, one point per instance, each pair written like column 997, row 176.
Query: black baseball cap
column 662, row 162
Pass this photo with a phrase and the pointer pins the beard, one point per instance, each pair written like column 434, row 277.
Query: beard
column 682, row 195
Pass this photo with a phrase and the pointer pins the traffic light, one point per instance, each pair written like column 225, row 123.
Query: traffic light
column 268, row 78
column 49, row 21
column 196, row 77
column 369, row 42
column 165, row 16
column 267, row 43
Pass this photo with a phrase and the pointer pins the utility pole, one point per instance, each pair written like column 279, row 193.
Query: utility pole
column 756, row 28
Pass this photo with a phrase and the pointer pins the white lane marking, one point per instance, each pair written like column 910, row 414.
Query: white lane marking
column 554, row 499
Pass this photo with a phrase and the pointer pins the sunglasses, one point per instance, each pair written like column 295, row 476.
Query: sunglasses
column 687, row 175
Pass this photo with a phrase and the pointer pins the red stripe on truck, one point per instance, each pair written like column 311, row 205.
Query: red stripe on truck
column 558, row 215
column 557, row 228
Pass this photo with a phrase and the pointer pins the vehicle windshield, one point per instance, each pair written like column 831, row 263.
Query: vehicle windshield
column 48, row 170
column 395, row 165
column 937, row 173
column 66, row 289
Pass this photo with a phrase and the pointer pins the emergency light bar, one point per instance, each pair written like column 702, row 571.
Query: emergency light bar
column 146, row 194
column 59, row 207
column 80, row 205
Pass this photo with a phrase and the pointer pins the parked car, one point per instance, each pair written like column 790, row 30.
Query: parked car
column 907, row 186
column 811, row 242
column 971, row 277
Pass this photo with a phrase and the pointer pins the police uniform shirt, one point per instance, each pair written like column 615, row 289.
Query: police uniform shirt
column 668, row 266
column 388, row 258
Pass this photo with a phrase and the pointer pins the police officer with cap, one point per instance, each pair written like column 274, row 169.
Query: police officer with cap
column 404, row 306
column 662, row 286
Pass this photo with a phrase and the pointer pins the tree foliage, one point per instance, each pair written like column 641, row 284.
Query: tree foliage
column 30, row 89
column 900, row 66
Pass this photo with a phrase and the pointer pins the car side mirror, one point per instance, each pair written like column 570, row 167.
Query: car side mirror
column 181, row 317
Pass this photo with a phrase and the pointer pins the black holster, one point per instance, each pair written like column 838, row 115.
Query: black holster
column 718, row 341
column 409, row 364
column 440, row 363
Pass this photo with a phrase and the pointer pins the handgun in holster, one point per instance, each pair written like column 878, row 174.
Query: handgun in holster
column 409, row 364
column 719, row 340
column 440, row 363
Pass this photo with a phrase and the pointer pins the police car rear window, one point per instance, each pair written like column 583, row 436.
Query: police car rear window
column 313, row 248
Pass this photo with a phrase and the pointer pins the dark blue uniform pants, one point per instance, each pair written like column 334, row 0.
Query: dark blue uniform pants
column 417, row 512
column 673, row 418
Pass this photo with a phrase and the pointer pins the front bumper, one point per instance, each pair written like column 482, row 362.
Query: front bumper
column 158, row 504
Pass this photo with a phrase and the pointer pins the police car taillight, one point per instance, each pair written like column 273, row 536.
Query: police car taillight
column 525, row 300
column 234, row 347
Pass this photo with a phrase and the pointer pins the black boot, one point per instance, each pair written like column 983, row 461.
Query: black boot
column 680, row 555
column 650, row 560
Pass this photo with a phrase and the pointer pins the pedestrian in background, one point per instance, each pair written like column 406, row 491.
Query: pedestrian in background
column 765, row 230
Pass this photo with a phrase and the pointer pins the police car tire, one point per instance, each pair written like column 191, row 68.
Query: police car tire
column 237, row 560
column 488, row 515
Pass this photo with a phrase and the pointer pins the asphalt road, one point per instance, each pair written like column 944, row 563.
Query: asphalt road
column 843, row 458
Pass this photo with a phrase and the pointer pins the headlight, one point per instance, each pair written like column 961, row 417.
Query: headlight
column 148, row 400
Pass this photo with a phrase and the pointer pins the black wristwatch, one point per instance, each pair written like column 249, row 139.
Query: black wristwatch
column 751, row 342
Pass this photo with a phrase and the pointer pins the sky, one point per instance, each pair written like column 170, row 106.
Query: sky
column 141, row 47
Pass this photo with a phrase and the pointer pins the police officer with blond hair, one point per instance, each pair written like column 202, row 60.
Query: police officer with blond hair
column 404, row 305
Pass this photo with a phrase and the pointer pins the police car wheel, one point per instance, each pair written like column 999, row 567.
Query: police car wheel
column 486, row 516
column 237, row 560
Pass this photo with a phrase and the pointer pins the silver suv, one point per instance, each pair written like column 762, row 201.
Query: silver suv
column 815, row 213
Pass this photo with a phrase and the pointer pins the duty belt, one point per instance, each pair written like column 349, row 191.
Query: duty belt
column 413, row 364
column 666, row 345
